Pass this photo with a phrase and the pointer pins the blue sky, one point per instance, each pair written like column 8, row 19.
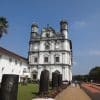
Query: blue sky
column 83, row 17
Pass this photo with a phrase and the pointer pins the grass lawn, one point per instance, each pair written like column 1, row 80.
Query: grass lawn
column 26, row 92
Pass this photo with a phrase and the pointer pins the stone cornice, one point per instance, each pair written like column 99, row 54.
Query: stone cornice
column 56, row 64
column 48, row 39
column 49, row 51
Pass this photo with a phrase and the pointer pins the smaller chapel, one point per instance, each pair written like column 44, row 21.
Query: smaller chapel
column 50, row 50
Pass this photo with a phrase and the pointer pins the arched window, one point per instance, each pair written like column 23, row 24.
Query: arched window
column 34, row 74
column 47, row 45
column 57, row 71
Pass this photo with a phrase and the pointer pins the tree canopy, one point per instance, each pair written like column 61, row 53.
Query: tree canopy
column 3, row 26
column 95, row 73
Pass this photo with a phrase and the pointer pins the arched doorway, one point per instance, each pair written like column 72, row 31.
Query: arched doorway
column 56, row 71
column 34, row 75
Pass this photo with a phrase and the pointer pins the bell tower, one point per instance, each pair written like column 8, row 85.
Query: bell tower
column 34, row 30
column 64, row 28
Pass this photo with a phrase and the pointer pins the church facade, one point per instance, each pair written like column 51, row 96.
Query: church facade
column 50, row 50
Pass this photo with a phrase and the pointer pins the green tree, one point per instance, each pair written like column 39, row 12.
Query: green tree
column 3, row 26
column 84, row 78
column 95, row 74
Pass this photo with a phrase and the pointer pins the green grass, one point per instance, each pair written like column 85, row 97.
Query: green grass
column 26, row 92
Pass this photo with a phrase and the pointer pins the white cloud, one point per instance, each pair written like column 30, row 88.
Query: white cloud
column 86, row 52
column 79, row 24
column 74, row 63
column 94, row 52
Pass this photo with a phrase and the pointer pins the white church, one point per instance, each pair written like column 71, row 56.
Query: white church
column 50, row 50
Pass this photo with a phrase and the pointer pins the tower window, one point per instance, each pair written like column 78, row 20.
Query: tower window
column 33, row 34
column 57, row 59
column 45, row 59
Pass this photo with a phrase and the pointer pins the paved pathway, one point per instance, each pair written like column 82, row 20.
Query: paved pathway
column 73, row 93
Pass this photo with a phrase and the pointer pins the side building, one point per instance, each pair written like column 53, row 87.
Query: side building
column 11, row 63
column 50, row 50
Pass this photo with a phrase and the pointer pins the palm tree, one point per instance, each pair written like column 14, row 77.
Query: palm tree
column 3, row 26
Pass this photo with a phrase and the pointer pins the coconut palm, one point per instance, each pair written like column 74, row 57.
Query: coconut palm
column 3, row 26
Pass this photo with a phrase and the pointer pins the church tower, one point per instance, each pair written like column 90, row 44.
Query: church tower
column 34, row 30
column 64, row 28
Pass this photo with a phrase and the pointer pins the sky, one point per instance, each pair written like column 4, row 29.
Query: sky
column 83, row 17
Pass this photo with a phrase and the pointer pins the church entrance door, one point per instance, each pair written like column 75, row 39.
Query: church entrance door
column 34, row 75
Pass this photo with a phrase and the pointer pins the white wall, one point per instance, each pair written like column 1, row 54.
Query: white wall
column 12, row 67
